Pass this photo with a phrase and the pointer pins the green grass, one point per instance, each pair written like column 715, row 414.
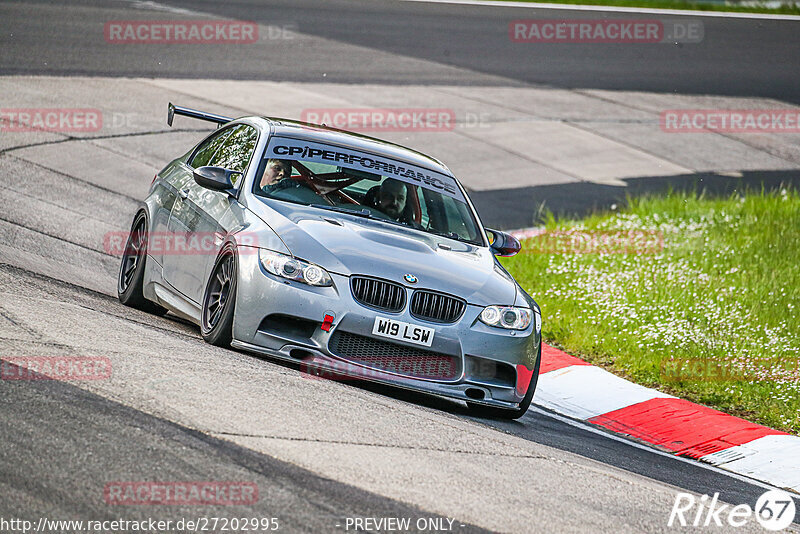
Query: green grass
column 784, row 9
column 725, row 289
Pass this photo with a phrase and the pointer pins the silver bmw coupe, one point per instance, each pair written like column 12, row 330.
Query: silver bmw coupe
column 353, row 257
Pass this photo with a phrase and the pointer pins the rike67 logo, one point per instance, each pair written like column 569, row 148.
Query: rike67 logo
column 774, row 510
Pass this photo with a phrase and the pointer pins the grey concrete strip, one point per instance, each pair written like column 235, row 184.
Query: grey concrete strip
column 565, row 135
column 124, row 107
column 711, row 150
column 632, row 119
column 57, row 223
column 59, row 205
column 25, row 248
column 701, row 152
column 480, row 165
column 93, row 164
column 580, row 154
column 483, row 165
column 156, row 149
column 503, row 137
column 547, row 104
column 10, row 139
column 274, row 99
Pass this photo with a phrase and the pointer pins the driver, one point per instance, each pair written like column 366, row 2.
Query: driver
column 276, row 170
column 391, row 198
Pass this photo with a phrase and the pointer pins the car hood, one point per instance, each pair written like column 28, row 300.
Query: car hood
column 348, row 245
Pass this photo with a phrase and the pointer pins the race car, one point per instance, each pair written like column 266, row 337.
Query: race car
column 353, row 257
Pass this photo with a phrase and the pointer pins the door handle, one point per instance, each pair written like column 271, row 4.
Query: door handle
column 184, row 193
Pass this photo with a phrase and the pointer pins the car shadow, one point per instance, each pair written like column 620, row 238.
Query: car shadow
column 426, row 400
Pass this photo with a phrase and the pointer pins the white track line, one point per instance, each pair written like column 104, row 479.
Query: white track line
column 761, row 458
column 584, row 426
column 613, row 9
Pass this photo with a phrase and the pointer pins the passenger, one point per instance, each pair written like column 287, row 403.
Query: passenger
column 391, row 198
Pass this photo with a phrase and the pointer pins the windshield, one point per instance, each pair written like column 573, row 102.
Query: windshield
column 338, row 179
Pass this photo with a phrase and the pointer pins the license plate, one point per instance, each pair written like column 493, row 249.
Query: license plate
column 411, row 333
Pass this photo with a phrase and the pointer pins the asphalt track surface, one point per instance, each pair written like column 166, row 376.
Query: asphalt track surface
column 103, row 440
column 61, row 444
column 740, row 57
column 49, row 428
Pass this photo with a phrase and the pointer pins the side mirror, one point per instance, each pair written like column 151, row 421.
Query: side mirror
column 503, row 244
column 214, row 178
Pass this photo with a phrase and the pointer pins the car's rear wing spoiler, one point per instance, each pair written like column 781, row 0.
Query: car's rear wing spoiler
column 173, row 110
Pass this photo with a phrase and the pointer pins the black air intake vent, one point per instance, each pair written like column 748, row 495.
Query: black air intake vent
column 379, row 294
column 436, row 307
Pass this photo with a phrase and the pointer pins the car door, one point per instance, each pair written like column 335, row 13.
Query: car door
column 201, row 218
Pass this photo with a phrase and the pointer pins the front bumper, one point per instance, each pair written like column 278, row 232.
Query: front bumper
column 283, row 319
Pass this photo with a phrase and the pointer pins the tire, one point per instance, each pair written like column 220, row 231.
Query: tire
column 130, row 281
column 219, row 300
column 492, row 412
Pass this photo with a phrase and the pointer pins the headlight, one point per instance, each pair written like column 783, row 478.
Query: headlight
column 507, row 317
column 293, row 269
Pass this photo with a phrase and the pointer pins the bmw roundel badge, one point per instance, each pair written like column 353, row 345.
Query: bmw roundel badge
column 410, row 278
